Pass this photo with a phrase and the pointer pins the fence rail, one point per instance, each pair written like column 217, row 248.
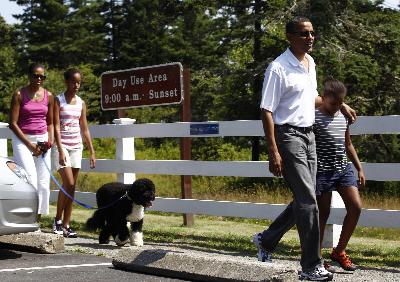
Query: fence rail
column 368, row 218
column 373, row 171
column 364, row 125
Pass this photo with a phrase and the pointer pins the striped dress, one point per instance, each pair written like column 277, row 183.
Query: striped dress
column 330, row 138
column 70, row 129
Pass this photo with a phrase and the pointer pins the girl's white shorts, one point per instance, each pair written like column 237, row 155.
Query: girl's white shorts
column 73, row 158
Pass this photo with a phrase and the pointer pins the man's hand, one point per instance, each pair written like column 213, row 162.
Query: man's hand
column 349, row 113
column 275, row 164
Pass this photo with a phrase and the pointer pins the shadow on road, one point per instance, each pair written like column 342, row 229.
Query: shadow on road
column 389, row 270
column 7, row 254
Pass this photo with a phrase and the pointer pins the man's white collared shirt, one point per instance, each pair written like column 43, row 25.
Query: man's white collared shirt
column 289, row 90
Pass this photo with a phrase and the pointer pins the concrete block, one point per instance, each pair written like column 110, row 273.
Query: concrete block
column 37, row 242
column 332, row 231
column 200, row 266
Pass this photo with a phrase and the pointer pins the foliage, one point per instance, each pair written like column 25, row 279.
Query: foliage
column 369, row 246
column 8, row 67
column 226, row 44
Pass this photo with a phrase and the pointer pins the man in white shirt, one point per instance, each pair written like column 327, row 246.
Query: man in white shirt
column 289, row 97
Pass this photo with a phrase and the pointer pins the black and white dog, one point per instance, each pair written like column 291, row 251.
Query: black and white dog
column 129, row 204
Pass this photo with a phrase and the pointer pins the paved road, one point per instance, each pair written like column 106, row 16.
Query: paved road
column 86, row 260
column 20, row 266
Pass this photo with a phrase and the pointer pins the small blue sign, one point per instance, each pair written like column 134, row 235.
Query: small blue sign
column 204, row 128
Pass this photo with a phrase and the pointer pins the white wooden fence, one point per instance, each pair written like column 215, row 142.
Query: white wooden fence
column 126, row 166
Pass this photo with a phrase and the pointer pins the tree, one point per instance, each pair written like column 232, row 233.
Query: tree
column 41, row 31
column 85, row 43
column 251, row 34
column 112, row 11
column 157, row 32
column 361, row 47
column 8, row 67
column 52, row 31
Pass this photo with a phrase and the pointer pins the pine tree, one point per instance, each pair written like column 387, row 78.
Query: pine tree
column 251, row 41
column 8, row 67
column 62, row 33
column 42, row 30
column 112, row 12
column 85, row 35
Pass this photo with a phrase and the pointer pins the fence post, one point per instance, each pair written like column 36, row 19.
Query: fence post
column 125, row 150
column 3, row 142
column 332, row 231
column 186, row 146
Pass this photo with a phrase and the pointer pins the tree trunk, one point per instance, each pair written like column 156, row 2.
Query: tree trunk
column 257, row 78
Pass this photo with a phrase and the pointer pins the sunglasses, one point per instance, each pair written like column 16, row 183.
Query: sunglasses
column 39, row 76
column 305, row 33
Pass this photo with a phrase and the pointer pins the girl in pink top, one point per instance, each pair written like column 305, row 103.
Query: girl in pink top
column 31, row 120
column 69, row 122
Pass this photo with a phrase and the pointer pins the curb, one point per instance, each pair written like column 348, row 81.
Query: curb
column 38, row 242
column 199, row 266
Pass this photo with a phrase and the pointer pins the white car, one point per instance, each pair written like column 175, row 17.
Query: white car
column 18, row 199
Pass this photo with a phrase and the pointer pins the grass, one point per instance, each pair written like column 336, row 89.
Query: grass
column 221, row 188
column 260, row 190
column 372, row 247
column 368, row 246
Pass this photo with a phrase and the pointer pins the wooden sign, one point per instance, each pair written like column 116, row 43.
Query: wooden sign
column 141, row 87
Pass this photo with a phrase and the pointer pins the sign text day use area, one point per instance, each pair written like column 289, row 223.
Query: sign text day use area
column 140, row 87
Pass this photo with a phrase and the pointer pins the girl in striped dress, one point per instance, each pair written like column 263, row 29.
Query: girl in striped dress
column 334, row 171
column 69, row 123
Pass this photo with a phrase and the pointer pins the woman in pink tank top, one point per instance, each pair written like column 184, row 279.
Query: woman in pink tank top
column 31, row 120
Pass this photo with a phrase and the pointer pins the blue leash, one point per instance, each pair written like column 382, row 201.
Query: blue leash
column 72, row 198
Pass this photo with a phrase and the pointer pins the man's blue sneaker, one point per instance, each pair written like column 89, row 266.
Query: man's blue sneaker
column 263, row 255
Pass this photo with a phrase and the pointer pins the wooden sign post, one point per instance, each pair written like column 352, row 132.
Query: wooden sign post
column 152, row 86
column 186, row 146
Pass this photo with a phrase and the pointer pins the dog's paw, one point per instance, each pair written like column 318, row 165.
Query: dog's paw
column 104, row 241
column 104, row 238
column 137, row 239
column 120, row 242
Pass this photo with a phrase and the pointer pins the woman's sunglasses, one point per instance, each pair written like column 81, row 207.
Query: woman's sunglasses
column 39, row 76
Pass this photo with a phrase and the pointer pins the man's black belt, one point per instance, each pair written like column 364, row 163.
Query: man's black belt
column 299, row 128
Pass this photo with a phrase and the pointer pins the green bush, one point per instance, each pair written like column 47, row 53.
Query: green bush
column 375, row 194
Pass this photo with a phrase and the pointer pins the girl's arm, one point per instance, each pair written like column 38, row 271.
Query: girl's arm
column 352, row 154
column 57, row 134
column 14, row 116
column 349, row 113
column 49, row 119
column 86, row 136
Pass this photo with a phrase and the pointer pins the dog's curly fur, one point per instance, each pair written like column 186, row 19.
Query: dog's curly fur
column 112, row 220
